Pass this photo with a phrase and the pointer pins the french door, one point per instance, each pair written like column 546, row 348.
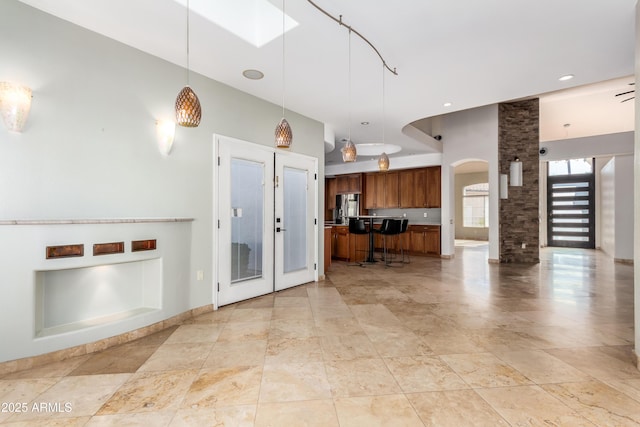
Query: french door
column 266, row 220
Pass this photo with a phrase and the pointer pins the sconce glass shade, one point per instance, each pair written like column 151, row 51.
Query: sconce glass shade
column 515, row 170
column 349, row 152
column 504, row 190
column 284, row 135
column 165, row 134
column 188, row 110
column 383, row 162
column 15, row 103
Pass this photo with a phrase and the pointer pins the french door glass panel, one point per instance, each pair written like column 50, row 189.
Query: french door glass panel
column 295, row 219
column 247, row 219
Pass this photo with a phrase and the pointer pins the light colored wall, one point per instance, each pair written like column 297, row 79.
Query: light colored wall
column 636, row 203
column 623, row 207
column 461, row 232
column 89, row 149
column 608, row 208
column 469, row 135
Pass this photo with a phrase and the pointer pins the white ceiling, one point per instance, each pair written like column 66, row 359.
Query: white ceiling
column 467, row 52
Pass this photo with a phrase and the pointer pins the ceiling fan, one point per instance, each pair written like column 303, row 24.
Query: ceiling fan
column 627, row 92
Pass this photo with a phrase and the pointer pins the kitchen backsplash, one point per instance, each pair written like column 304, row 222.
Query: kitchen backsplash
column 416, row 216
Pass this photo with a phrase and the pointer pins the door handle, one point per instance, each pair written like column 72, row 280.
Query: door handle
column 278, row 229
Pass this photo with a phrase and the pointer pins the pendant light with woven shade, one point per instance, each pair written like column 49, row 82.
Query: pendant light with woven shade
column 383, row 160
column 284, row 135
column 349, row 152
column 188, row 110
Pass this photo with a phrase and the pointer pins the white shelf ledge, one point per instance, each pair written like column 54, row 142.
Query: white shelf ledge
column 90, row 221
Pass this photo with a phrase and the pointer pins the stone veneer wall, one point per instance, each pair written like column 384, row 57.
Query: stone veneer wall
column 518, row 135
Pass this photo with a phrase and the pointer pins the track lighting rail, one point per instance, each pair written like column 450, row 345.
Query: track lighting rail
column 339, row 21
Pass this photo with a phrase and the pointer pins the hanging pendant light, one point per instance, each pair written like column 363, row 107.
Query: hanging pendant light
column 284, row 135
column 383, row 162
column 188, row 110
column 349, row 152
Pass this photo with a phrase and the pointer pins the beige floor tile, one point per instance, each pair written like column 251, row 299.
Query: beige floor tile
column 242, row 314
column 390, row 410
column 177, row 356
column 72, row 397
column 149, row 392
column 236, row 416
column 598, row 402
column 244, row 331
column 338, row 326
column 541, row 368
column 17, row 395
column 531, row 406
column 54, row 422
column 231, row 386
column 453, row 341
column 399, row 343
column 629, row 387
column 360, row 377
column 292, row 328
column 288, row 350
column 292, row 301
column 241, row 353
column 288, row 313
column 294, row 381
column 484, row 370
column 597, row 363
column 195, row 333
column 51, row 370
column 155, row 419
column 424, row 373
column 459, row 408
column 310, row 413
column 347, row 347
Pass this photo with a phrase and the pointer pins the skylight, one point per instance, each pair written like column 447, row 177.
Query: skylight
column 255, row 21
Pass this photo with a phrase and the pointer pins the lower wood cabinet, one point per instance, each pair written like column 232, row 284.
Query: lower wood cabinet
column 425, row 239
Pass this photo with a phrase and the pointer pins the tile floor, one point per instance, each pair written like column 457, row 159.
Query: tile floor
column 433, row 343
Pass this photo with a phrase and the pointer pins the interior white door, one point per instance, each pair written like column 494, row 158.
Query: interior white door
column 295, row 220
column 245, row 213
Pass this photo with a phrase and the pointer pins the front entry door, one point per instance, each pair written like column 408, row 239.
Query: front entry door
column 266, row 220
column 571, row 211
column 296, row 220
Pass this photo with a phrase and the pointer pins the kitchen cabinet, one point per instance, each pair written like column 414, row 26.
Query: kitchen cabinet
column 327, row 247
column 341, row 243
column 349, row 184
column 425, row 239
column 331, row 190
column 407, row 188
column 391, row 189
column 374, row 191
column 433, row 187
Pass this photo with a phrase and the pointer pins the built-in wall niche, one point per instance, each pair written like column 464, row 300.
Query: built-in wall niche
column 77, row 298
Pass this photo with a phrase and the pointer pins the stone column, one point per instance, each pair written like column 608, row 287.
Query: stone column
column 518, row 136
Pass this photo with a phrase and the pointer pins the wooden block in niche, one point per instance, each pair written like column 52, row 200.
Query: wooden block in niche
column 65, row 251
column 108, row 248
column 143, row 245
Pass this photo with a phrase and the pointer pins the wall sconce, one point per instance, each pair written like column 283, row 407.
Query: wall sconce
column 165, row 133
column 504, row 186
column 15, row 103
column 515, row 170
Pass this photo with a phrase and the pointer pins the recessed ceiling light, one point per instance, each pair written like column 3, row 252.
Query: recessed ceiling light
column 566, row 77
column 364, row 123
column 447, row 104
column 253, row 74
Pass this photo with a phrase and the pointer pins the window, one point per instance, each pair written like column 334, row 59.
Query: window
column 570, row 167
column 475, row 205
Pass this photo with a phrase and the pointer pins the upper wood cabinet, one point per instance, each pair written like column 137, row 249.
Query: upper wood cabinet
column 330, row 189
column 347, row 184
column 391, row 189
column 433, row 187
column 407, row 189
column 373, row 191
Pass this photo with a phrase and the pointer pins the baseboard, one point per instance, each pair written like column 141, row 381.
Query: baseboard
column 494, row 261
column 623, row 261
column 12, row 366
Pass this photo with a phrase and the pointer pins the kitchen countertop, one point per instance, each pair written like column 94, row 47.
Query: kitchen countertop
column 331, row 224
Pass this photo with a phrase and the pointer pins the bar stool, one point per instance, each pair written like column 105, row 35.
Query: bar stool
column 389, row 227
column 357, row 226
column 403, row 229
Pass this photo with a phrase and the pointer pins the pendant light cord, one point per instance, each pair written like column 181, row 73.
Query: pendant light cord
column 383, row 107
column 188, row 42
column 283, row 31
column 349, row 84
